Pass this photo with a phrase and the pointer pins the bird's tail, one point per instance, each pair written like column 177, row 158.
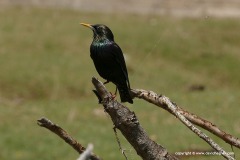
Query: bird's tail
column 124, row 93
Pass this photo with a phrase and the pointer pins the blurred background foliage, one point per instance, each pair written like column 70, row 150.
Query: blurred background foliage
column 46, row 70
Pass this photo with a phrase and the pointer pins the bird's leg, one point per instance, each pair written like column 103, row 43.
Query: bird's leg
column 106, row 82
column 115, row 94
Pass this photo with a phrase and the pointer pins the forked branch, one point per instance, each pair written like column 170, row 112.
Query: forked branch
column 171, row 107
column 153, row 98
column 127, row 122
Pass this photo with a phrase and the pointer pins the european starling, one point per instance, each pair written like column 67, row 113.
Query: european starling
column 108, row 60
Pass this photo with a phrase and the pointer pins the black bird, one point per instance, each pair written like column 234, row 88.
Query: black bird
column 108, row 60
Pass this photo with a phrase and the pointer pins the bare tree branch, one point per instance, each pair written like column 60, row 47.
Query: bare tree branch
column 127, row 122
column 166, row 104
column 228, row 138
column 44, row 122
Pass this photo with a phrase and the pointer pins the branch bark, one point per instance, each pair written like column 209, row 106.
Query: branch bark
column 127, row 122
column 44, row 122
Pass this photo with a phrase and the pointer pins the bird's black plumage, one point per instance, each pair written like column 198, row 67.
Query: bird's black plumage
column 108, row 60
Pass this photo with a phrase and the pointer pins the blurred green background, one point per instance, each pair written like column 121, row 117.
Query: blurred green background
column 46, row 70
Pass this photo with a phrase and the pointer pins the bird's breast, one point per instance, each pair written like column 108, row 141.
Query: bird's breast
column 103, row 60
column 101, row 52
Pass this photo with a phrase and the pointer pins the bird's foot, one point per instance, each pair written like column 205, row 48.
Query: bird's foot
column 113, row 96
column 108, row 99
column 106, row 82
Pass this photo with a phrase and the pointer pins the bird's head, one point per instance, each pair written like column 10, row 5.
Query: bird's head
column 100, row 31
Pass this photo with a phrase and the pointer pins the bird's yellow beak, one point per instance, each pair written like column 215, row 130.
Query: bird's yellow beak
column 87, row 25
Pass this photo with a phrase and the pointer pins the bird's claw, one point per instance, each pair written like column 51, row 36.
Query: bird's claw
column 108, row 98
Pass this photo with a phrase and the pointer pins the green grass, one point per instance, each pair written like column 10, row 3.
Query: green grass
column 46, row 70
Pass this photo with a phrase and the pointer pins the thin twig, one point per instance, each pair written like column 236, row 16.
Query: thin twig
column 44, row 122
column 119, row 143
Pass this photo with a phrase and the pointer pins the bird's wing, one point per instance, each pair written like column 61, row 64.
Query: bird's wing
column 118, row 56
